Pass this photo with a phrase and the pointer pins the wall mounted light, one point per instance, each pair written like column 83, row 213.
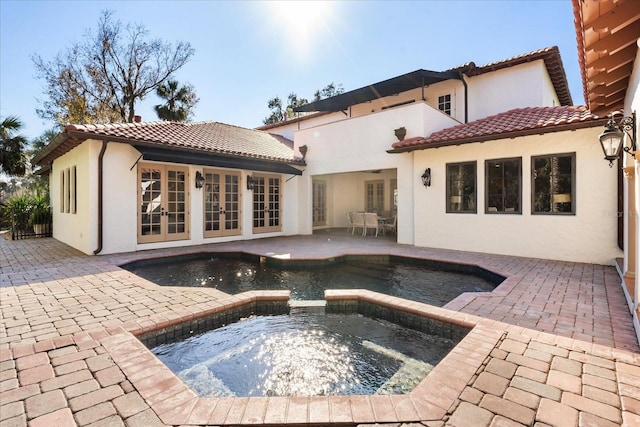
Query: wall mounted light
column 426, row 177
column 250, row 182
column 612, row 138
column 199, row 180
column 400, row 133
column 303, row 150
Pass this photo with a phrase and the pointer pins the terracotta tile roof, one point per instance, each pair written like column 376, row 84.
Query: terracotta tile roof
column 212, row 137
column 512, row 123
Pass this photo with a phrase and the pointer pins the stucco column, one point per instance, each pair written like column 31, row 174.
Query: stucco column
column 633, row 218
column 629, row 219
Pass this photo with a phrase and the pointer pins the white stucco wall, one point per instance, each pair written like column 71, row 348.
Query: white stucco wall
column 359, row 145
column 588, row 236
column 77, row 230
column 288, row 129
column 526, row 85
column 120, row 202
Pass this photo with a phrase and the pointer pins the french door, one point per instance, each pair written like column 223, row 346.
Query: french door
column 319, row 202
column 222, row 212
column 267, row 209
column 163, row 200
column 374, row 196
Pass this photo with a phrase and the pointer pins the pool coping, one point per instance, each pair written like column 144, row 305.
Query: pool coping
column 175, row 403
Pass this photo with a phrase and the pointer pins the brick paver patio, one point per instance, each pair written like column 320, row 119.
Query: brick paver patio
column 553, row 345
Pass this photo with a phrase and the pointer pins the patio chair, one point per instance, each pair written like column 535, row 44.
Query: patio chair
column 371, row 222
column 350, row 225
column 357, row 219
column 391, row 226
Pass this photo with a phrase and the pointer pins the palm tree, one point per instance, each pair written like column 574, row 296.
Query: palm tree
column 179, row 101
column 12, row 157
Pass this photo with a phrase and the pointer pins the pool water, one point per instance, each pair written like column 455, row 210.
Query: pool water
column 232, row 275
column 305, row 353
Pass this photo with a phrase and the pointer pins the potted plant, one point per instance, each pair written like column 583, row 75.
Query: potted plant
column 40, row 215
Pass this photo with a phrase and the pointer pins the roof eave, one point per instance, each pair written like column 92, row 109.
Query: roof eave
column 378, row 90
column 83, row 136
column 499, row 136
column 56, row 142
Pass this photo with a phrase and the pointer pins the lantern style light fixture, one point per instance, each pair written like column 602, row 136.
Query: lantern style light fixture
column 199, row 180
column 612, row 138
column 426, row 177
column 250, row 182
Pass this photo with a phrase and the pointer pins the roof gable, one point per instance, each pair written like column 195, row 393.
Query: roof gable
column 510, row 124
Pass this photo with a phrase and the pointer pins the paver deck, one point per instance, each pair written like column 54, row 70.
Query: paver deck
column 553, row 345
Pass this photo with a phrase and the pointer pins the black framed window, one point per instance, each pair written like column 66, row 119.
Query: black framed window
column 503, row 184
column 553, row 184
column 461, row 187
column 444, row 103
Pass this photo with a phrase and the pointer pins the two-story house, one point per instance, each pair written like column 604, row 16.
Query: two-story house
column 488, row 158
column 513, row 168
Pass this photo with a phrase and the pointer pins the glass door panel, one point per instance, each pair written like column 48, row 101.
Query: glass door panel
column 163, row 200
column 319, row 203
column 212, row 209
column 177, row 207
column 259, row 211
column 232, row 204
column 267, row 199
column 221, row 203
column 150, row 214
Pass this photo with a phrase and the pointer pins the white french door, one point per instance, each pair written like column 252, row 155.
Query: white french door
column 267, row 209
column 319, row 215
column 163, row 200
column 222, row 213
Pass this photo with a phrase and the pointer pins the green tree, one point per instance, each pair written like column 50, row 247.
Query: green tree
column 278, row 113
column 275, row 105
column 294, row 102
column 101, row 78
column 12, row 146
column 179, row 101
column 35, row 183
column 328, row 91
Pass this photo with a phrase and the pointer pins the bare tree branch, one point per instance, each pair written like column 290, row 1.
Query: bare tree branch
column 100, row 79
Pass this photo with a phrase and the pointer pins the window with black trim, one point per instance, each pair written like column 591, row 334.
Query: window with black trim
column 444, row 103
column 503, row 184
column 461, row 187
column 553, row 184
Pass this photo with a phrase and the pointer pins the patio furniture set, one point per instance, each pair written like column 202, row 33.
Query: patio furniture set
column 371, row 221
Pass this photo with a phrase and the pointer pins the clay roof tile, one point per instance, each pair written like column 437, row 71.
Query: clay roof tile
column 507, row 124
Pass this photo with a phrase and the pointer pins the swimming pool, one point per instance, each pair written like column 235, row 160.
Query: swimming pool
column 305, row 353
column 419, row 280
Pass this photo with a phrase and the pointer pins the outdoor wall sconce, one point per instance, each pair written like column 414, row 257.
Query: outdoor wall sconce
column 199, row 180
column 612, row 138
column 426, row 177
column 303, row 150
column 400, row 133
column 250, row 183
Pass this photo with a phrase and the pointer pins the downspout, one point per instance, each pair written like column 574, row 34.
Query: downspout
column 100, row 173
column 466, row 98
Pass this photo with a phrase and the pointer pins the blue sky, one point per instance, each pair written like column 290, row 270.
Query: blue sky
column 249, row 51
